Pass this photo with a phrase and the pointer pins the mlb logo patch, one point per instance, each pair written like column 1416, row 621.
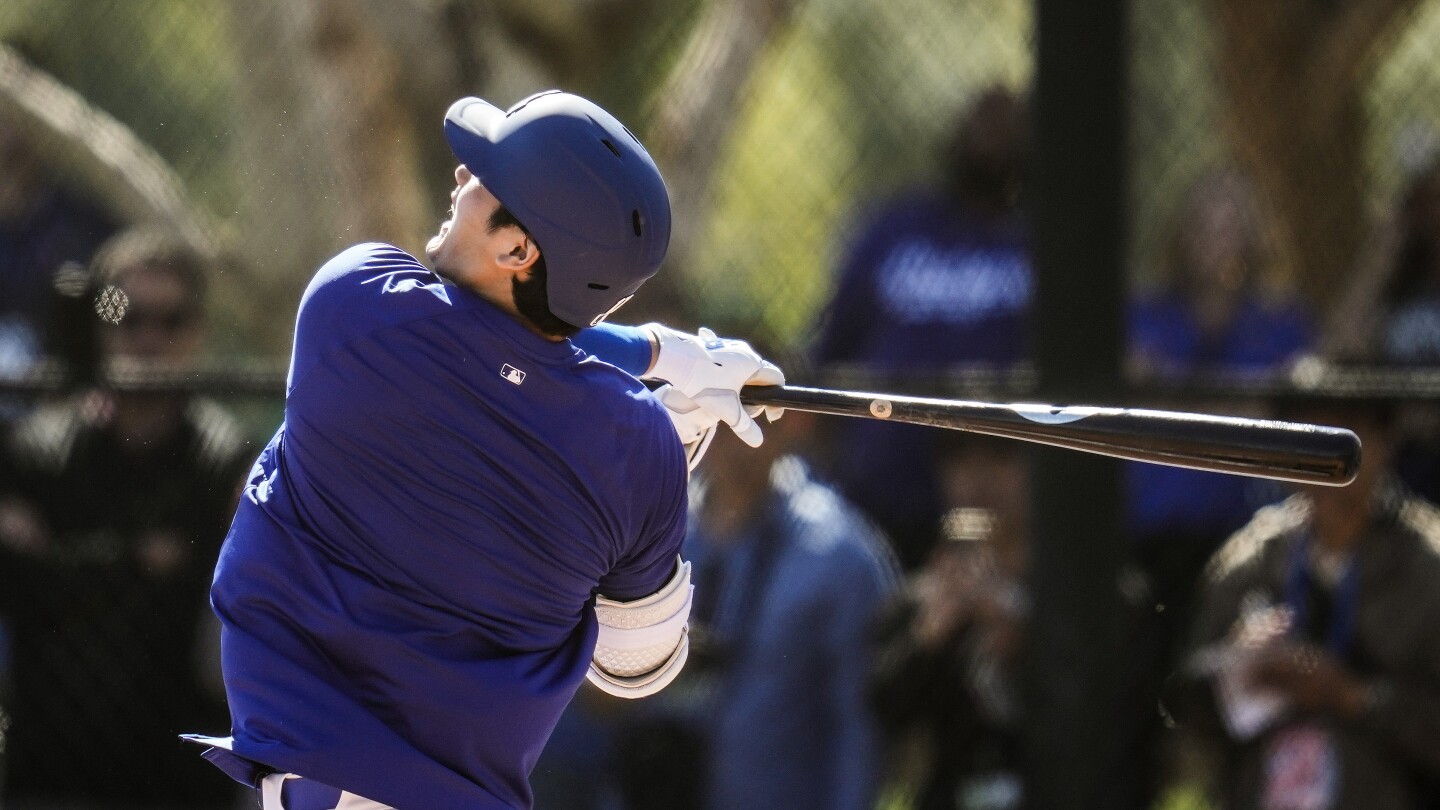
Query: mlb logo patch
column 512, row 374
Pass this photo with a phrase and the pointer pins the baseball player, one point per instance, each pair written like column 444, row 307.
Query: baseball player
column 471, row 506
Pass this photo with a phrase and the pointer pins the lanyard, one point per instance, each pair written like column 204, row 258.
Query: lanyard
column 1340, row 634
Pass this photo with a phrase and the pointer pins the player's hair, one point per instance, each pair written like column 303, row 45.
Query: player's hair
column 154, row 248
column 531, row 299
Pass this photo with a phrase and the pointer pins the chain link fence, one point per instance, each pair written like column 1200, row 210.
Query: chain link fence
column 275, row 132
column 846, row 103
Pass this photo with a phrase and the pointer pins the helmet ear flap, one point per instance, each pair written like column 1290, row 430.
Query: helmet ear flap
column 583, row 186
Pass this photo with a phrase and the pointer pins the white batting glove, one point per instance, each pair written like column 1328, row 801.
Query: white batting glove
column 696, row 363
column 696, row 418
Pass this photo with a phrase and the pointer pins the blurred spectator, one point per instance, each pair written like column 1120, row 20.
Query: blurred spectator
column 1319, row 643
column 113, row 506
column 1409, row 319
column 42, row 228
column 1410, row 300
column 1216, row 306
column 789, row 579
column 1215, row 311
column 939, row 277
column 944, row 683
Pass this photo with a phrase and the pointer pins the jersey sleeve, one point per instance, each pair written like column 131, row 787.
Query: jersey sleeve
column 647, row 567
column 649, row 561
column 628, row 348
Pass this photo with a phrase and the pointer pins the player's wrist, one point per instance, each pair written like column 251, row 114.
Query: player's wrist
column 675, row 355
column 654, row 340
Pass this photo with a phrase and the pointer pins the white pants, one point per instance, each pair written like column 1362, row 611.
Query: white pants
column 303, row 794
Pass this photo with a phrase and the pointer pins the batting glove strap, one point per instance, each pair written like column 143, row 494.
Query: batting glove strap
column 671, row 600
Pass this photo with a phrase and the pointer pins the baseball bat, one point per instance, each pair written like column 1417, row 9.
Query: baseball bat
column 1263, row 448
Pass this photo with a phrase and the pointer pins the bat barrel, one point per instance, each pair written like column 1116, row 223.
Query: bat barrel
column 1290, row 451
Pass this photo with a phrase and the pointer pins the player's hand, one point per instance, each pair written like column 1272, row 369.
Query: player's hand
column 1312, row 677
column 694, row 364
column 695, row 418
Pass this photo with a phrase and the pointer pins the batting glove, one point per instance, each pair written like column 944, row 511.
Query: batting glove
column 695, row 418
column 697, row 363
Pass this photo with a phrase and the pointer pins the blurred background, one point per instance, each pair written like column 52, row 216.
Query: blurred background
column 1219, row 206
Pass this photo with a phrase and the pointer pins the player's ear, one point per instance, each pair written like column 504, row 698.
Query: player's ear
column 518, row 255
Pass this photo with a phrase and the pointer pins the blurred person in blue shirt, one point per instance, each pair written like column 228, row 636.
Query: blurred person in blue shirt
column 1212, row 312
column 938, row 277
column 792, row 578
column 1214, row 307
column 1395, row 319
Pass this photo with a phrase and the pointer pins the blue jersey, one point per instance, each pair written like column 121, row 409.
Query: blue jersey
column 407, row 590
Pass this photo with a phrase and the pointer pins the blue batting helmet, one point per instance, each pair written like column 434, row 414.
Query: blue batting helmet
column 581, row 184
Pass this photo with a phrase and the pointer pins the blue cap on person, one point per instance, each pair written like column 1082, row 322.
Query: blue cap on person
column 583, row 187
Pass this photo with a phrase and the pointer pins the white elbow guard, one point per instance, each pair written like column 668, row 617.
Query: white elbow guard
column 642, row 644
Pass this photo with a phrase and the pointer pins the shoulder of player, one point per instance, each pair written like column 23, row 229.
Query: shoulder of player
column 1260, row 538
column 629, row 431
column 622, row 402
column 371, row 286
column 364, row 258
column 372, row 268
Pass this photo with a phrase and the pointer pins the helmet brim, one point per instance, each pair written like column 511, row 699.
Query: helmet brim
column 471, row 127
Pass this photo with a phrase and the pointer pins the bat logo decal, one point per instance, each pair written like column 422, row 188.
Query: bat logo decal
column 1050, row 415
